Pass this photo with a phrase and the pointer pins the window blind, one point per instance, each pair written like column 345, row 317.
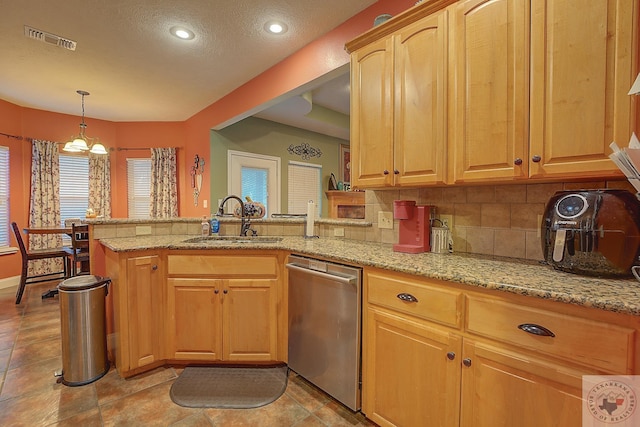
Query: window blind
column 74, row 186
column 138, row 187
column 254, row 185
column 4, row 196
column 304, row 185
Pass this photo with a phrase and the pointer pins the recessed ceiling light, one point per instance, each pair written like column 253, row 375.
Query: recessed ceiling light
column 182, row 33
column 275, row 27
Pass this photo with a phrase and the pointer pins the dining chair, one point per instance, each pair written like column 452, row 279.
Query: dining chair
column 34, row 254
column 79, row 250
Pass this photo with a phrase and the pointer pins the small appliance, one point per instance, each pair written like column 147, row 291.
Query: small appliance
column 414, row 227
column 592, row 232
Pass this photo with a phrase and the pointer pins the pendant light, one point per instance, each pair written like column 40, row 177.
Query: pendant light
column 82, row 142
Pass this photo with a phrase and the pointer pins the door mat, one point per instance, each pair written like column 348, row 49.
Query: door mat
column 237, row 387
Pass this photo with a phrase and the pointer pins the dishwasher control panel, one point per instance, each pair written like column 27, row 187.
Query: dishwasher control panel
column 317, row 265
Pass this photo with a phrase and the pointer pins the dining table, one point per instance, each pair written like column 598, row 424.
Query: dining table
column 48, row 229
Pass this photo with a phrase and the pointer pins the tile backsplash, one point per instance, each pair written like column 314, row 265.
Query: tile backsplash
column 501, row 220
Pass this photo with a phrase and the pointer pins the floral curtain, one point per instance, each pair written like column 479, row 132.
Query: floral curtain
column 45, row 203
column 164, row 187
column 100, row 184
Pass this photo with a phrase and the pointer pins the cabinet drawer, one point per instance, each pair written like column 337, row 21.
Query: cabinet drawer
column 436, row 304
column 595, row 344
column 222, row 265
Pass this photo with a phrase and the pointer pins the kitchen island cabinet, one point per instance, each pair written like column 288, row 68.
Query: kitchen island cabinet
column 138, row 288
column 468, row 354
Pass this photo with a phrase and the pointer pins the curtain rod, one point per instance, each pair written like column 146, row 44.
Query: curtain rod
column 140, row 148
column 19, row 138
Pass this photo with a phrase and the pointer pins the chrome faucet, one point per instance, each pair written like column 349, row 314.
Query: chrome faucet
column 246, row 223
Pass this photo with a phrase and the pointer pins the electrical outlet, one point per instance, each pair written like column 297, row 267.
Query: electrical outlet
column 338, row 232
column 447, row 219
column 204, row 203
column 385, row 220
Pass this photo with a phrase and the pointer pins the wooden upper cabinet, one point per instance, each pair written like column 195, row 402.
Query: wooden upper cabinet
column 489, row 82
column 420, row 101
column 398, row 112
column 582, row 56
column 371, row 115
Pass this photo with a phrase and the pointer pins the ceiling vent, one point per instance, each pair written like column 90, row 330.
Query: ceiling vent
column 43, row 36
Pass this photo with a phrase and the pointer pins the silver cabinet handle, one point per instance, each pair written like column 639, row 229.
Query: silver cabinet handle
column 534, row 329
column 407, row 297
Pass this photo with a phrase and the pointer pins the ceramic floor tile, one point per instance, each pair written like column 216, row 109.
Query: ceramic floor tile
column 47, row 405
column 307, row 395
column 284, row 412
column 46, row 332
column 36, row 352
column 30, row 378
column 335, row 415
column 112, row 387
column 195, row 420
column 89, row 418
column 151, row 406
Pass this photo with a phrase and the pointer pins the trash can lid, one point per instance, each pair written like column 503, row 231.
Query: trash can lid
column 80, row 283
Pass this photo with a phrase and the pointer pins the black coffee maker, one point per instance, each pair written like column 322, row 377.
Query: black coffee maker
column 592, row 232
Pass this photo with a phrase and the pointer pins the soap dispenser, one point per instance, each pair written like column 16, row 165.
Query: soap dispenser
column 205, row 226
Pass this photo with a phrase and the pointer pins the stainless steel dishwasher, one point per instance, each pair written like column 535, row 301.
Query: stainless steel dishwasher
column 324, row 326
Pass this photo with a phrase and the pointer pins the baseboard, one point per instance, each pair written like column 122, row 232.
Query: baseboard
column 10, row 282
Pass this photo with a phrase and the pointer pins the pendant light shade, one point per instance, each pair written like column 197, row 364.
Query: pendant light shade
column 82, row 142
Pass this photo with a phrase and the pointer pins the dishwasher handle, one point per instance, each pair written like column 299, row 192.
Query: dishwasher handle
column 340, row 279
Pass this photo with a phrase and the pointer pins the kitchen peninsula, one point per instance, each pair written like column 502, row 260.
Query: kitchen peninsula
column 478, row 324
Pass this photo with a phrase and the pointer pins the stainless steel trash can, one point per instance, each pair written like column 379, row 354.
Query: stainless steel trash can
column 83, row 329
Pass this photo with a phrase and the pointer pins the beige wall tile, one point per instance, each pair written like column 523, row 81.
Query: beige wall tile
column 162, row 229
column 459, row 239
column 540, row 193
column 454, row 195
column 480, row 240
column 525, row 216
column 430, row 196
column 509, row 243
column 590, row 185
column 495, row 215
column 621, row 185
column 511, row 193
column 467, row 215
column 481, row 194
column 126, row 230
column 533, row 246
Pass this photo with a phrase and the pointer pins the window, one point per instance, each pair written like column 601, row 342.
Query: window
column 4, row 196
column 138, row 187
column 304, row 185
column 256, row 176
column 74, row 186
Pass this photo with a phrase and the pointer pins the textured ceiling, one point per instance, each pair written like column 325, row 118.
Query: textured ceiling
column 133, row 68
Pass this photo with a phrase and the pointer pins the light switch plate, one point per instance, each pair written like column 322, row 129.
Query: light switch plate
column 446, row 219
column 385, row 220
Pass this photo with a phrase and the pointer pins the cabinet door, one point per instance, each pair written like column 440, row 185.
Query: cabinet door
column 145, row 304
column 500, row 388
column 420, row 101
column 372, row 115
column 195, row 319
column 250, row 320
column 408, row 377
column 582, row 68
column 489, row 89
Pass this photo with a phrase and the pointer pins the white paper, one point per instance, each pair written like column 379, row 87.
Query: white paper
column 311, row 214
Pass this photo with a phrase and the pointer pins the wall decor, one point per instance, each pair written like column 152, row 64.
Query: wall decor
column 305, row 151
column 345, row 164
column 196, row 177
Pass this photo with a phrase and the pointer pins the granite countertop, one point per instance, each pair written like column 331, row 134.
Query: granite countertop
column 504, row 274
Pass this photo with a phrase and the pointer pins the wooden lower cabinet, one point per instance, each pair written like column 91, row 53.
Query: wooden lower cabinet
column 138, row 299
column 506, row 388
column 410, row 373
column 420, row 368
column 222, row 319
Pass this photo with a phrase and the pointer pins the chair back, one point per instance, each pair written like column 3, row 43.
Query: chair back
column 16, row 231
column 80, row 237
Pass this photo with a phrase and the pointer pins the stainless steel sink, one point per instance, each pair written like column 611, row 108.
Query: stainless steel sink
column 234, row 239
